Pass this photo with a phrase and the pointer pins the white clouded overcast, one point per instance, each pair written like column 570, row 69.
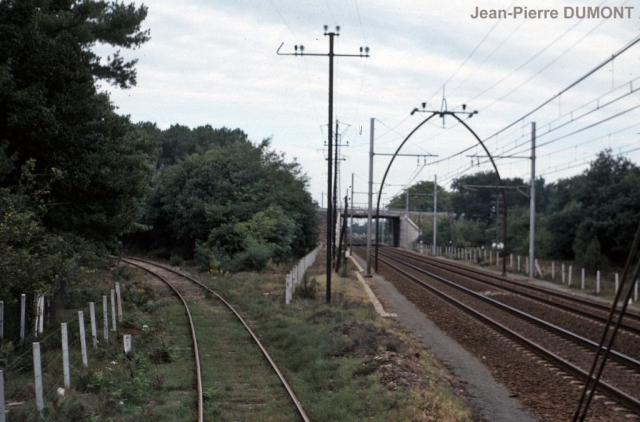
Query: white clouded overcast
column 215, row 63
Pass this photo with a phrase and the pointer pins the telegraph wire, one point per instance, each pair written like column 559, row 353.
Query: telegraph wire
column 488, row 57
column 546, row 66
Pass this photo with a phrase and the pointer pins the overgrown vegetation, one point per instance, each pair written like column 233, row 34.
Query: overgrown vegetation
column 227, row 203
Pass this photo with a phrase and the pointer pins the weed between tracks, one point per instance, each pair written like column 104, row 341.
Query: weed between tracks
column 344, row 362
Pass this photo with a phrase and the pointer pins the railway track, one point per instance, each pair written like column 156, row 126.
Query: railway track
column 561, row 309
column 182, row 285
column 556, row 345
column 592, row 309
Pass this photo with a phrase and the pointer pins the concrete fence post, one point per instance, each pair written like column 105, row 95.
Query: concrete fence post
column 37, row 375
column 119, row 301
column 518, row 263
column 617, row 281
column 105, row 318
column 23, row 316
column 526, row 264
column 598, row 282
column 511, row 261
column 65, row 356
column 553, row 270
column 570, row 274
column 113, row 310
column 83, row 340
column 288, row 288
column 563, row 274
column 94, row 331
column 39, row 319
column 582, row 280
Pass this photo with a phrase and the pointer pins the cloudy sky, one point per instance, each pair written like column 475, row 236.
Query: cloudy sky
column 215, row 62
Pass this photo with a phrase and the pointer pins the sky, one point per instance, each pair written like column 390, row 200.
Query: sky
column 215, row 62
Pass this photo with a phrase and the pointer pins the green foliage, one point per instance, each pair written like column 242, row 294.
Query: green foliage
column 421, row 198
column 97, row 163
column 31, row 256
column 230, row 205
column 591, row 217
column 308, row 288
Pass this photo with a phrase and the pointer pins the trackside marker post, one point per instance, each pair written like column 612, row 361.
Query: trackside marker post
column 127, row 343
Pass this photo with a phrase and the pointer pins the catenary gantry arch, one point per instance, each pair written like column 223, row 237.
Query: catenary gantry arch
column 454, row 114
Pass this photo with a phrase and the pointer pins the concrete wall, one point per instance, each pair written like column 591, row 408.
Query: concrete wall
column 409, row 232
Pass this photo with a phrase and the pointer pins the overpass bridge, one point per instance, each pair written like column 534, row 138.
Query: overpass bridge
column 404, row 231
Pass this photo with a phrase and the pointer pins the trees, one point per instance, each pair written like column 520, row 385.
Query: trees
column 72, row 171
column 231, row 204
column 52, row 112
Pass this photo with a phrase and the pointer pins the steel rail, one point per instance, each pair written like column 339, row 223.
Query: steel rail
column 476, row 273
column 554, row 329
column 194, row 337
column 616, row 394
column 283, row 381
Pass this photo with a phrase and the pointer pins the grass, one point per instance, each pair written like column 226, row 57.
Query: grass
column 344, row 362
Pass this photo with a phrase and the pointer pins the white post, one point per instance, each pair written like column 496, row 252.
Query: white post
column 2, row 410
column 113, row 310
column 582, row 280
column 563, row 277
column 23, row 315
column 490, row 258
column 553, row 270
column 287, row 289
column 570, row 274
column 83, row 342
column 94, row 331
column 37, row 375
column 518, row 263
column 105, row 318
column 511, row 261
column 39, row 320
column 65, row 355
column 484, row 254
column 598, row 282
column 617, row 281
column 526, row 263
column 119, row 301
column 127, row 343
